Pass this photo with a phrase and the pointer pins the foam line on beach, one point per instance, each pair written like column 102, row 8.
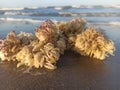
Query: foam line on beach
column 11, row 8
column 16, row 13
column 95, row 14
column 113, row 23
column 20, row 20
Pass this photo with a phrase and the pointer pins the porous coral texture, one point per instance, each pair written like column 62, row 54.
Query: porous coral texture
column 94, row 44
column 51, row 40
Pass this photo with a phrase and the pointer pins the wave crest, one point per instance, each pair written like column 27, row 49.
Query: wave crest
column 20, row 20
column 65, row 7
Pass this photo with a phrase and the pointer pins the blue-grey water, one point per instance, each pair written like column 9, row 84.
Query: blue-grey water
column 27, row 19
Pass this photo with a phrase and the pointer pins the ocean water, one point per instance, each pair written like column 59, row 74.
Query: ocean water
column 27, row 19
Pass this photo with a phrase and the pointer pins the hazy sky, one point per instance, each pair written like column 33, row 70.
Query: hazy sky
column 38, row 3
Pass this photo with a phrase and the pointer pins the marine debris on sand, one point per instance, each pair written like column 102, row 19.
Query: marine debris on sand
column 51, row 40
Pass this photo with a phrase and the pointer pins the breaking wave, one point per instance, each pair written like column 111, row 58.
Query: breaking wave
column 107, row 23
column 65, row 7
column 11, row 8
column 25, row 8
column 63, row 11
column 16, row 13
column 114, row 23
column 65, row 14
column 21, row 20
column 86, row 6
column 89, row 14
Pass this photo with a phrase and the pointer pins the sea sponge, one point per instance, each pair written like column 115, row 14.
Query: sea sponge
column 51, row 40
column 13, row 43
column 40, row 51
column 73, row 26
column 9, row 46
column 70, row 29
column 49, row 32
column 94, row 44
column 46, row 56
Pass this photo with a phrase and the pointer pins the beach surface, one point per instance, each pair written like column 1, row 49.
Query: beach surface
column 74, row 72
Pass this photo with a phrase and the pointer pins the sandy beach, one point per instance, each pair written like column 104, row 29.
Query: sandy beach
column 74, row 72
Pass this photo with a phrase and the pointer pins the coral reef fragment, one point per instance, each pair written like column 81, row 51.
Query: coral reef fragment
column 43, row 49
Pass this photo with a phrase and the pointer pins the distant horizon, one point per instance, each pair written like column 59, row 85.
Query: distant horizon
column 46, row 3
column 64, row 5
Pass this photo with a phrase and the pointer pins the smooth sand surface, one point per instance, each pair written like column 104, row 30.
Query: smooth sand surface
column 74, row 72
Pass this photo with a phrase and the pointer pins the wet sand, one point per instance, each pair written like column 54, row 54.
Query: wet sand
column 74, row 72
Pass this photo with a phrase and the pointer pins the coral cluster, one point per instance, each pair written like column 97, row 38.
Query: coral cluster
column 94, row 44
column 13, row 43
column 40, row 51
column 70, row 29
column 51, row 40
